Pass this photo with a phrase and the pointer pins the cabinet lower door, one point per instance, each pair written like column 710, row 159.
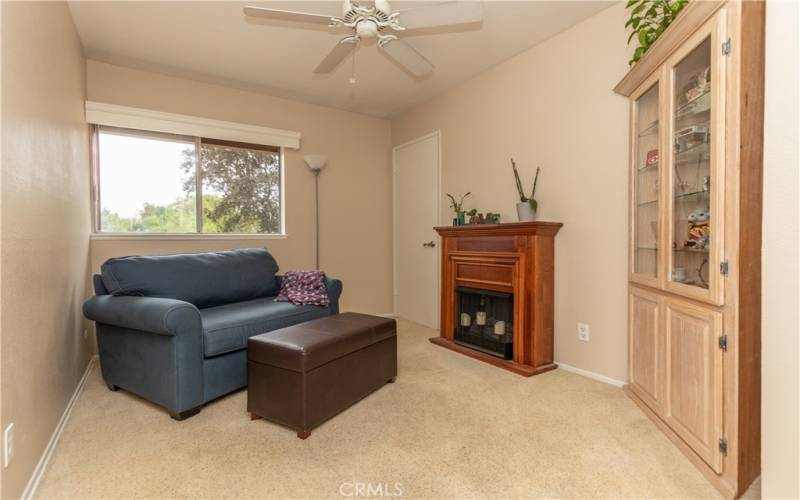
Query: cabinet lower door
column 693, row 395
column 646, row 348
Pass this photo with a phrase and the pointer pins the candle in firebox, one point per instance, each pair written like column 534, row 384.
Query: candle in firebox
column 480, row 318
column 465, row 319
column 500, row 328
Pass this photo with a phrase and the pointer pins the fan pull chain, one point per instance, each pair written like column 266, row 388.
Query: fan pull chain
column 353, row 68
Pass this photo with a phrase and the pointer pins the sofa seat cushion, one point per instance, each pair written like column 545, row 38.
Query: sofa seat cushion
column 226, row 328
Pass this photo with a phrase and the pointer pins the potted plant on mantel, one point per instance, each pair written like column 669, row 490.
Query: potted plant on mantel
column 526, row 208
column 456, row 206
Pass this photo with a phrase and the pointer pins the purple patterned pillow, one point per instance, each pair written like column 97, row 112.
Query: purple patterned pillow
column 303, row 288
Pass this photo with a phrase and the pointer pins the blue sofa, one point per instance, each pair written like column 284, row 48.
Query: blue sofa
column 173, row 329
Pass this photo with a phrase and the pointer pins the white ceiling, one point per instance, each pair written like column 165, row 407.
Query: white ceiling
column 213, row 42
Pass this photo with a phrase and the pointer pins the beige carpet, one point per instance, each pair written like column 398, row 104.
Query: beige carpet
column 449, row 427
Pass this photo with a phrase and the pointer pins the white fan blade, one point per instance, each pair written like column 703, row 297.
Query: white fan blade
column 287, row 15
column 408, row 57
column 337, row 55
column 442, row 14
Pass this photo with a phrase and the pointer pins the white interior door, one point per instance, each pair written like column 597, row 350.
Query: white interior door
column 416, row 244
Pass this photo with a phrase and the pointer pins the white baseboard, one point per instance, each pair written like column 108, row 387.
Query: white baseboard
column 38, row 472
column 387, row 315
column 591, row 375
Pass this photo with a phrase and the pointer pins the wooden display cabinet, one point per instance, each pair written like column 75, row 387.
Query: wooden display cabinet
column 695, row 234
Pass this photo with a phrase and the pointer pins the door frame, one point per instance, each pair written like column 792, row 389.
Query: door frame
column 438, row 204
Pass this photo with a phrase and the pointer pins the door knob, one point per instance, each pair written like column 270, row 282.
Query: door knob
column 429, row 244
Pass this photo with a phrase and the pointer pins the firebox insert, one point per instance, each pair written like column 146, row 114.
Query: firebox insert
column 484, row 321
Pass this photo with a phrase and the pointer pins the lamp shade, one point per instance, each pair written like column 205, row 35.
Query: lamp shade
column 315, row 162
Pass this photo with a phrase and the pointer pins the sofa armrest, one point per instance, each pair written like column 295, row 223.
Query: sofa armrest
column 334, row 288
column 150, row 314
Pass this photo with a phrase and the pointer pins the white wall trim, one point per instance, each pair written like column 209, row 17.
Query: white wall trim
column 387, row 315
column 113, row 115
column 438, row 135
column 38, row 472
column 591, row 375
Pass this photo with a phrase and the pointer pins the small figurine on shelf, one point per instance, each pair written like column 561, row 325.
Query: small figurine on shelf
column 492, row 218
column 699, row 229
column 475, row 217
column 699, row 84
column 652, row 158
column 691, row 137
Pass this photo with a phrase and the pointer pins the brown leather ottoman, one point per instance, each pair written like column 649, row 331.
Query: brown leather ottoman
column 304, row 374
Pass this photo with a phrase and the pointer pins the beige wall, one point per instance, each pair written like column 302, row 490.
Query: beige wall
column 780, row 409
column 45, row 226
column 355, row 186
column 552, row 106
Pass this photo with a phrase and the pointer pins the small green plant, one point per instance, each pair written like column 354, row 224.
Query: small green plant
column 456, row 206
column 649, row 19
column 522, row 198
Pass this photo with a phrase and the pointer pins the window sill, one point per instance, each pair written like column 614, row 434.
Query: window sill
column 183, row 236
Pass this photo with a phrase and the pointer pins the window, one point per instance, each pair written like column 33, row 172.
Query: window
column 150, row 182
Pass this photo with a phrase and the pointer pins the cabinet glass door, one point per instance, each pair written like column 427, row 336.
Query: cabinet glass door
column 646, row 199
column 695, row 209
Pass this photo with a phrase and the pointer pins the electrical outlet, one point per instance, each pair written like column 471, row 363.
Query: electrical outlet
column 583, row 332
column 8, row 444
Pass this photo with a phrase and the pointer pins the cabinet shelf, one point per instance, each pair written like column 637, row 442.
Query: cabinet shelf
column 682, row 249
column 650, row 129
column 699, row 105
column 703, row 194
column 691, row 250
column 647, row 167
column 699, row 149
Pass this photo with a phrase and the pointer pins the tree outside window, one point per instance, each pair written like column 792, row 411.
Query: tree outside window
column 148, row 184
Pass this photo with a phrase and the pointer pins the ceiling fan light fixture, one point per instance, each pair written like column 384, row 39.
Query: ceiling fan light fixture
column 367, row 29
column 372, row 19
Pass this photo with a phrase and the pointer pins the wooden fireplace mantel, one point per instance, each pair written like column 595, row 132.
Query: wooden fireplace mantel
column 516, row 258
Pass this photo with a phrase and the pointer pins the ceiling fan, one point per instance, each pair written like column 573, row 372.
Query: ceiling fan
column 376, row 19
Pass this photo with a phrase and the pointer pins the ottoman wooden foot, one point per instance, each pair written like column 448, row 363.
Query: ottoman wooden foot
column 253, row 416
column 111, row 387
column 303, row 434
column 391, row 380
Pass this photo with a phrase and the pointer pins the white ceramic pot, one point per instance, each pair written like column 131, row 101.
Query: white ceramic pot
column 525, row 212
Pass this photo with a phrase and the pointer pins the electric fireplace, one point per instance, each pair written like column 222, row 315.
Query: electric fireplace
column 497, row 294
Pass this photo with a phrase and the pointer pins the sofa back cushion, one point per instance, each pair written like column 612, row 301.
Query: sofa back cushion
column 203, row 279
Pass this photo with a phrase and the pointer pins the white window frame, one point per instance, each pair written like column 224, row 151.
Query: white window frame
column 143, row 120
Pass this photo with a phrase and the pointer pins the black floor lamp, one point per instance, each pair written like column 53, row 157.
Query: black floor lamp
column 315, row 163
